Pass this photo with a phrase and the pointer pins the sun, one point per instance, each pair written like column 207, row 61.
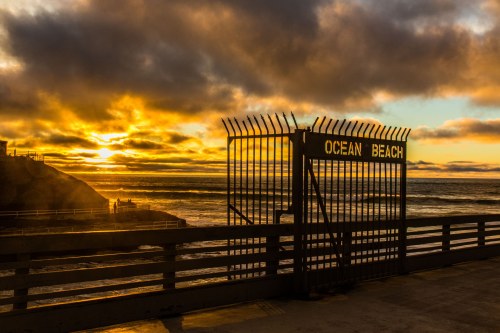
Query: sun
column 104, row 153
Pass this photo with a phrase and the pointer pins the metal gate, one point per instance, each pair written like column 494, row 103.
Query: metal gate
column 342, row 184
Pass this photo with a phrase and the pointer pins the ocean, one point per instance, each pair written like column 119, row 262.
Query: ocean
column 201, row 200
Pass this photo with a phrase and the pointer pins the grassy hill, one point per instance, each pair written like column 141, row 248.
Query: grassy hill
column 26, row 184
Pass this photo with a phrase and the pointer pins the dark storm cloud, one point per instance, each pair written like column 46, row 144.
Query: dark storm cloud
column 110, row 48
column 9, row 132
column 142, row 144
column 190, row 56
column 457, row 166
column 124, row 159
column 471, row 168
column 417, row 163
column 404, row 10
column 132, row 163
column 69, row 157
column 56, row 158
column 176, row 138
column 423, row 166
column 13, row 99
column 79, row 167
column 214, row 151
column 461, row 162
column 69, row 141
column 25, row 143
column 467, row 128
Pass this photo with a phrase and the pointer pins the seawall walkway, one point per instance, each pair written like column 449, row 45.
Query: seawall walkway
column 459, row 298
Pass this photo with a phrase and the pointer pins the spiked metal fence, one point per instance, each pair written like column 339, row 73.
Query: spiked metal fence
column 354, row 201
column 259, row 180
column 342, row 183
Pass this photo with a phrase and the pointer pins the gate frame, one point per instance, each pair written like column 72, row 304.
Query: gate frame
column 303, row 154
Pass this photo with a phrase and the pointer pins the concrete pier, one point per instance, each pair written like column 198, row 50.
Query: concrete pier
column 459, row 298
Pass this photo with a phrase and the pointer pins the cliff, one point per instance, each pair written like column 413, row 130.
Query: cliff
column 26, row 184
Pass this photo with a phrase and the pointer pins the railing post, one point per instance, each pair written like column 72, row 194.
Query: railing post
column 346, row 248
column 446, row 237
column 481, row 229
column 300, row 286
column 169, row 274
column 20, row 274
column 402, row 223
column 272, row 251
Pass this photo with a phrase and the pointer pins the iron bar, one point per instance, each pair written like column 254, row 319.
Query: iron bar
column 333, row 240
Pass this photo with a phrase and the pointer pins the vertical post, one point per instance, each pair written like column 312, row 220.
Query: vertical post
column 446, row 238
column 346, row 250
column 21, row 273
column 297, row 202
column 402, row 220
column 481, row 239
column 228, row 196
column 272, row 250
column 169, row 273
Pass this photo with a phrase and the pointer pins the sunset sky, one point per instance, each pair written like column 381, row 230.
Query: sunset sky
column 141, row 86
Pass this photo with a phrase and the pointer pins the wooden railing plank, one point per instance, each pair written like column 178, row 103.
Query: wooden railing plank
column 42, row 263
column 121, row 239
column 451, row 237
column 81, row 291
column 435, row 221
column 81, row 275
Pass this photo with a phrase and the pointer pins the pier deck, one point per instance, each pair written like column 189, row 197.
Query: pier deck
column 460, row 298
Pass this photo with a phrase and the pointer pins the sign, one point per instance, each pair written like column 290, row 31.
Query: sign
column 340, row 147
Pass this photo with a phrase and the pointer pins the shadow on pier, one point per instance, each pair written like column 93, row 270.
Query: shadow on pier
column 460, row 298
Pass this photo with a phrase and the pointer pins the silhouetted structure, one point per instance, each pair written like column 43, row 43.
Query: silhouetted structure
column 3, row 148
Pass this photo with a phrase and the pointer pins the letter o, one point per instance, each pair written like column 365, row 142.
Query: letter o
column 328, row 146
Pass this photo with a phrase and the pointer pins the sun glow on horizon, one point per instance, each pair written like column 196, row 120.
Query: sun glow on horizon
column 105, row 153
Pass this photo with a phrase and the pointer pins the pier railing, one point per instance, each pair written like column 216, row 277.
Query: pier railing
column 75, row 211
column 441, row 241
column 53, row 212
column 136, row 274
column 79, row 280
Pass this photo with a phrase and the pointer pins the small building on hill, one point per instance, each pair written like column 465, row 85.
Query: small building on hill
column 3, row 148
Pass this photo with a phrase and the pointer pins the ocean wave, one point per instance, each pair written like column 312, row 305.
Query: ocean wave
column 420, row 199
column 448, row 200
column 161, row 194
column 152, row 188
